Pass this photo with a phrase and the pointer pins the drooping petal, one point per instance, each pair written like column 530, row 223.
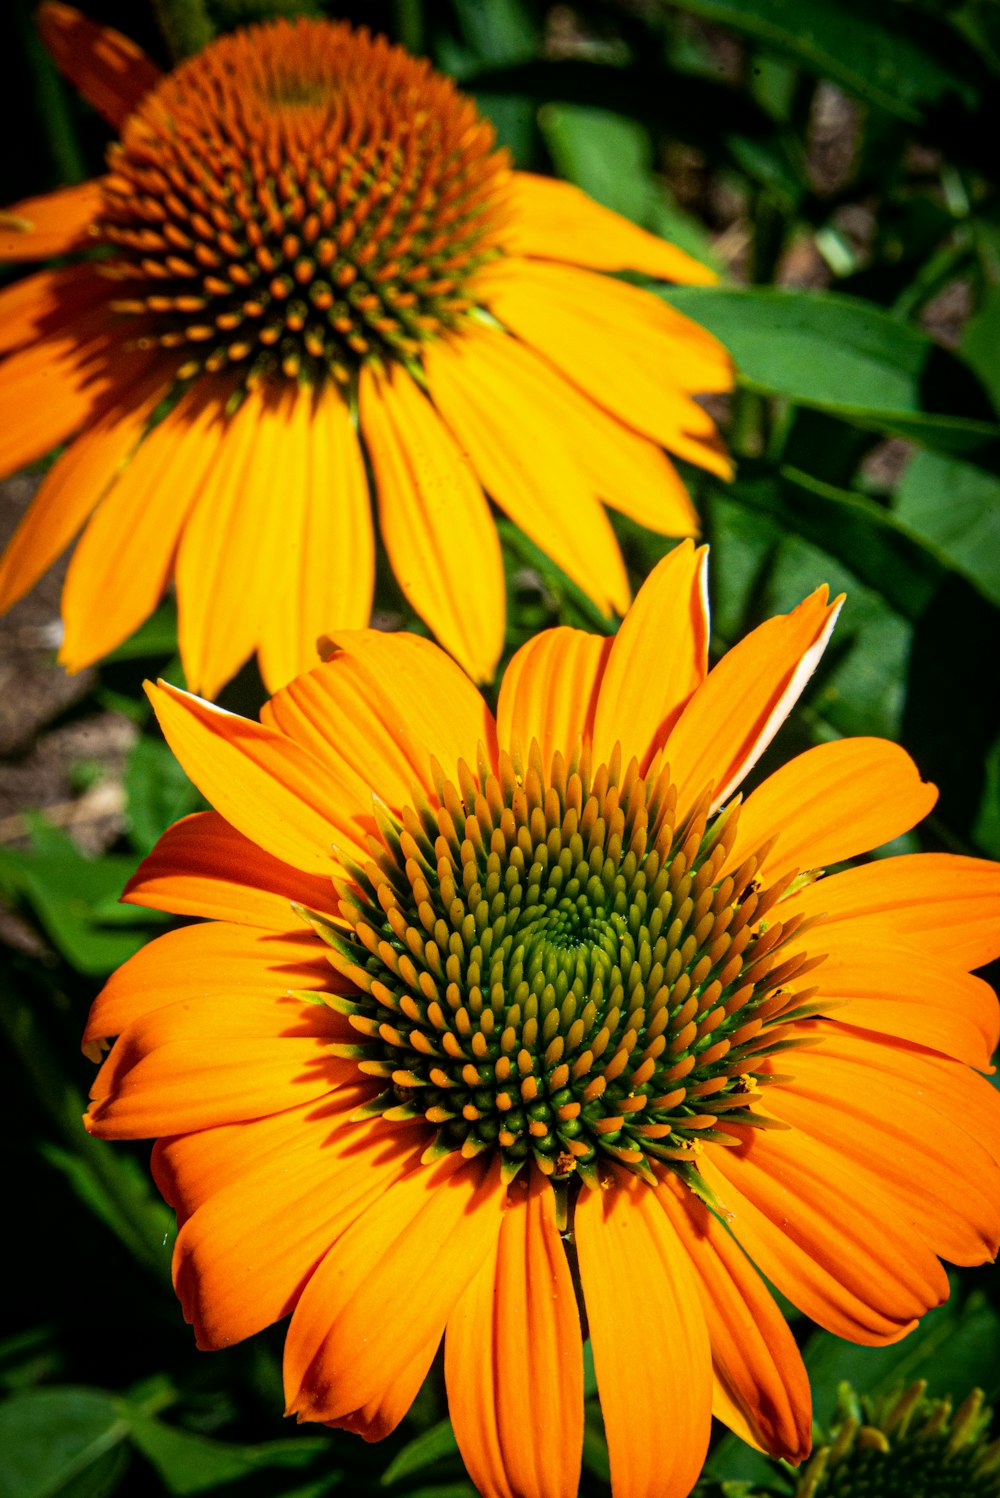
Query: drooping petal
column 493, row 393
column 389, row 703
column 849, row 1263
column 434, row 519
column 753, row 1351
column 556, row 221
column 266, row 786
column 332, row 566
column 205, row 961
column 238, row 547
column 549, row 691
column 125, row 558
column 945, row 1185
column 893, row 988
column 616, row 345
column 950, row 903
column 71, row 490
column 242, row 1260
column 202, row 866
column 831, row 803
column 734, row 715
column 658, row 658
column 54, row 224
column 111, row 72
column 650, row 1340
column 513, row 1359
column 378, row 1303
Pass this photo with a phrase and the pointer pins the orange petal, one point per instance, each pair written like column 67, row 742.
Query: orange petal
column 435, row 521
column 832, row 802
column 951, row 903
column 654, row 1368
column 556, row 221
column 71, row 490
column 390, row 703
column 188, row 1085
column 846, row 1260
column 754, row 1353
column 892, row 987
column 332, row 566
column 413, row 1252
column 54, row 224
column 198, row 962
column 112, row 73
column 513, row 1359
column 39, row 305
column 735, row 714
column 239, row 546
column 202, row 866
column 244, row 1257
column 494, row 395
column 613, row 342
column 658, row 658
column 263, row 784
column 549, row 692
column 945, row 1184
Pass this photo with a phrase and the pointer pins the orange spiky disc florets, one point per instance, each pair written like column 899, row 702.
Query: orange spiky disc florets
column 301, row 196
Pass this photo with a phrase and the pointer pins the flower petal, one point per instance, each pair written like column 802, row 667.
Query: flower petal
column 378, row 1303
column 654, row 1368
column 549, row 691
column 832, row 802
column 494, row 395
column 111, row 72
column 658, row 658
column 951, row 903
column 734, row 715
column 556, row 221
column 333, row 563
column 199, row 962
column 435, row 521
column 754, row 1353
column 390, row 703
column 244, row 1257
column 513, row 1359
column 53, row 224
column 262, row 783
column 849, row 1263
column 43, row 303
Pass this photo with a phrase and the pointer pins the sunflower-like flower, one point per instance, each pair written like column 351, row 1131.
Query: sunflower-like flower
column 306, row 262
column 485, row 1003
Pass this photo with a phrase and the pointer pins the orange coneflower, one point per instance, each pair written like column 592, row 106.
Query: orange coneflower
column 474, row 990
column 307, row 252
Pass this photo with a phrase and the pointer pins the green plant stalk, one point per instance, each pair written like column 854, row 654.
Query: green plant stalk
column 185, row 25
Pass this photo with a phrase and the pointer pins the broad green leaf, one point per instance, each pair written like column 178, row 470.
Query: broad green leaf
column 954, row 1350
column 882, row 52
column 423, row 1451
column 49, row 1437
column 68, row 892
column 842, row 355
column 956, row 507
column 190, row 1463
column 158, row 793
column 981, row 341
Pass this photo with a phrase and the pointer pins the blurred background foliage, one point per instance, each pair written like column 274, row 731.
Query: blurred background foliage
column 836, row 161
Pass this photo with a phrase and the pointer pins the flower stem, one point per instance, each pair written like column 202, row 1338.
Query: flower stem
column 185, row 25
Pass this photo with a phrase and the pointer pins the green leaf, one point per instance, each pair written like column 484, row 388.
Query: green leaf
column 956, row 507
column 981, row 341
column 954, row 1350
column 423, row 1451
column 158, row 793
column 49, row 1437
column 844, row 356
column 884, row 53
column 68, row 891
column 189, row 1463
